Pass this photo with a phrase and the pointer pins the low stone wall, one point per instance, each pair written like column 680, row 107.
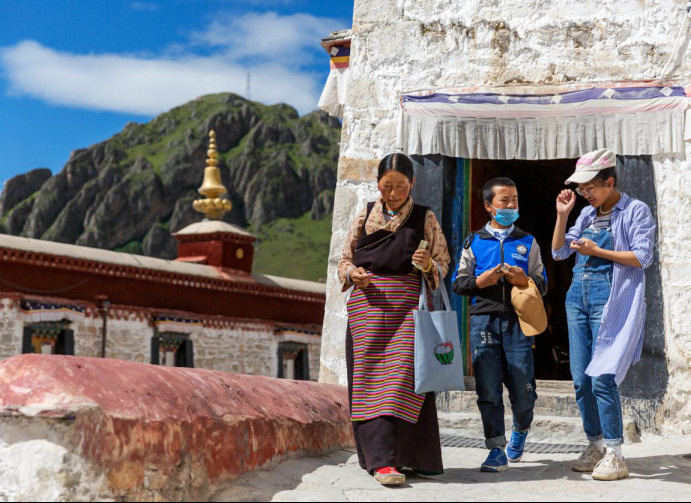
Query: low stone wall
column 76, row 428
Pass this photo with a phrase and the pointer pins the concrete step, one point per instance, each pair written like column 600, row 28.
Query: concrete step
column 557, row 418
column 555, row 398
column 545, row 429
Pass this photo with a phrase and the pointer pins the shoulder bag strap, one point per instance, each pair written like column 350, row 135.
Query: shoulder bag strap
column 422, row 304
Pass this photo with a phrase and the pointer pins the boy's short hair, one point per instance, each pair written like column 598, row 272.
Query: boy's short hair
column 488, row 188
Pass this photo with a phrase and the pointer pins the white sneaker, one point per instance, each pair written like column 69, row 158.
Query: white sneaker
column 612, row 467
column 589, row 459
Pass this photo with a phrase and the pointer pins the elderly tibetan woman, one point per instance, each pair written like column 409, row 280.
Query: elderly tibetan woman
column 394, row 427
column 614, row 239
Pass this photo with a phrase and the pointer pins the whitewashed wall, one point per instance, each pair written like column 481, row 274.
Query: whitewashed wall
column 416, row 44
column 673, row 186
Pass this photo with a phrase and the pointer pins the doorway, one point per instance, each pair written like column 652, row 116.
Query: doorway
column 538, row 184
column 293, row 361
column 452, row 188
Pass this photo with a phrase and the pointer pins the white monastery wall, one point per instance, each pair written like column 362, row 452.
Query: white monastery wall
column 248, row 348
column 403, row 45
column 673, row 187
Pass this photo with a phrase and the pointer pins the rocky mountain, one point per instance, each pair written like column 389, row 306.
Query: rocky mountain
column 130, row 192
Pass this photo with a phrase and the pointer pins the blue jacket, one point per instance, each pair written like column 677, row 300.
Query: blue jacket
column 482, row 251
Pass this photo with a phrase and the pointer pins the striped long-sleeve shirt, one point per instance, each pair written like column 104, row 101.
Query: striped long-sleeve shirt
column 620, row 339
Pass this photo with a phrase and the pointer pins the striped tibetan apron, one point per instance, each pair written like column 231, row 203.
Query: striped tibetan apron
column 383, row 331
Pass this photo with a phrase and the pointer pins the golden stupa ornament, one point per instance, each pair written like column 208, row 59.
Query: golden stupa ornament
column 212, row 187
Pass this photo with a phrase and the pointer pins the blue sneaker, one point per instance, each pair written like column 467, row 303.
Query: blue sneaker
column 496, row 461
column 514, row 451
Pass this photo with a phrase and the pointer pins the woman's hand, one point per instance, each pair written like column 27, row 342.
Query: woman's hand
column 515, row 275
column 585, row 246
column 565, row 201
column 422, row 258
column 490, row 277
column 360, row 277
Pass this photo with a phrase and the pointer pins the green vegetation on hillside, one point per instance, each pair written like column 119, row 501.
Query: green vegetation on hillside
column 294, row 248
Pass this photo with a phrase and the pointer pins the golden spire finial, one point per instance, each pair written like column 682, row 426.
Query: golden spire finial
column 212, row 187
column 212, row 152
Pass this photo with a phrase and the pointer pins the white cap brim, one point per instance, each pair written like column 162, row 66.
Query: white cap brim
column 581, row 177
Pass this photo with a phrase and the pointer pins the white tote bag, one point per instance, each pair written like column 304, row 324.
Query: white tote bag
column 438, row 352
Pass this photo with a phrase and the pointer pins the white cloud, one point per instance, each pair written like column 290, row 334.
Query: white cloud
column 268, row 36
column 275, row 49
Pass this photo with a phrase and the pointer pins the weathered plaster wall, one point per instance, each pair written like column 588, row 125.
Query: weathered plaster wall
column 128, row 336
column 673, row 186
column 247, row 348
column 402, row 45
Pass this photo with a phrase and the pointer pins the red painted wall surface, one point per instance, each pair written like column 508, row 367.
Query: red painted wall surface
column 172, row 433
column 220, row 253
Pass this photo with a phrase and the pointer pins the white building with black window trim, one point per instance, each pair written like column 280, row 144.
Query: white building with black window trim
column 198, row 311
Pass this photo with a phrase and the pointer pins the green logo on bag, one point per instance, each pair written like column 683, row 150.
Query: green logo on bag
column 444, row 352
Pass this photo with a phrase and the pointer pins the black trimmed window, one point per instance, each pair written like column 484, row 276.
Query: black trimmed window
column 172, row 349
column 48, row 338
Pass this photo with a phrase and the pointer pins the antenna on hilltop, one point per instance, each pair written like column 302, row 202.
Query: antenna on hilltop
column 248, row 90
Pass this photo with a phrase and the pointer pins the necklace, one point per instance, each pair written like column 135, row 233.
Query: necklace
column 603, row 213
column 390, row 213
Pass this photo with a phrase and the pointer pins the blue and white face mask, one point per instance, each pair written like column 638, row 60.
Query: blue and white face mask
column 505, row 216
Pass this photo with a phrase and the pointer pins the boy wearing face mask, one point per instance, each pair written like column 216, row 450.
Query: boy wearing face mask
column 494, row 260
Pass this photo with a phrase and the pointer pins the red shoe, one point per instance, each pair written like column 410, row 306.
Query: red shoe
column 389, row 476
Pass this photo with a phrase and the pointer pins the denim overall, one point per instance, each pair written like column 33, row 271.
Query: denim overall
column 598, row 397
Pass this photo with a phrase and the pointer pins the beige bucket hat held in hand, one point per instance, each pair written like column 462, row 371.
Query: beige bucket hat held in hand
column 530, row 309
column 590, row 164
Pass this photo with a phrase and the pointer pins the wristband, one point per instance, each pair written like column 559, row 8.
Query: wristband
column 429, row 267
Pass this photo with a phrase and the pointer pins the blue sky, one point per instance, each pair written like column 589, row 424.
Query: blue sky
column 74, row 72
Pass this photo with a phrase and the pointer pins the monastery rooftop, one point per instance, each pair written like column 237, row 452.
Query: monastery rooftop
column 156, row 264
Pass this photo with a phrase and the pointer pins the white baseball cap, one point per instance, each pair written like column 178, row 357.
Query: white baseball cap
column 589, row 165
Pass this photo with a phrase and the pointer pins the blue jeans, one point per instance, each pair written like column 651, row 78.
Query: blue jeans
column 502, row 354
column 598, row 397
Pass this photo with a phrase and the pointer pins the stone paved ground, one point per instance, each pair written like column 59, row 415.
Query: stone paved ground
column 660, row 471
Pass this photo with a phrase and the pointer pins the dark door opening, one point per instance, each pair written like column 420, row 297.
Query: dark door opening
column 452, row 188
column 293, row 361
column 538, row 184
column 172, row 349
